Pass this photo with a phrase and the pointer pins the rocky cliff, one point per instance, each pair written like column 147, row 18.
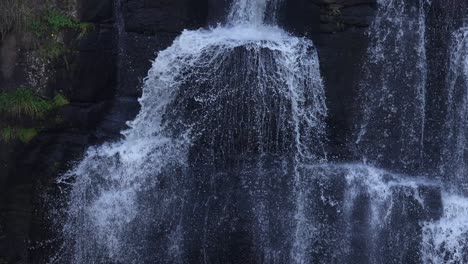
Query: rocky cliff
column 100, row 70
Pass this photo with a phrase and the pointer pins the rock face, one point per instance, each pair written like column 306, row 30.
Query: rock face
column 103, row 81
column 28, row 171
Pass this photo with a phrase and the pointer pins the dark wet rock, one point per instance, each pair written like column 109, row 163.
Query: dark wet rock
column 82, row 115
column 93, row 73
column 432, row 200
column 95, row 11
column 169, row 16
column 341, row 78
column 122, row 109
column 138, row 52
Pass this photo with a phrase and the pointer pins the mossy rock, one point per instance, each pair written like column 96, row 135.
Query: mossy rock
column 24, row 135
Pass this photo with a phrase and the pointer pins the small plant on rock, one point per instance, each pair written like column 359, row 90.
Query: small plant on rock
column 49, row 28
column 25, row 103
column 25, row 135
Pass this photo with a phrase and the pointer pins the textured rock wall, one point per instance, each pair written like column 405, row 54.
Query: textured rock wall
column 28, row 171
column 102, row 97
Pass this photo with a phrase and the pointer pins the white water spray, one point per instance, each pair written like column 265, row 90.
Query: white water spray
column 109, row 211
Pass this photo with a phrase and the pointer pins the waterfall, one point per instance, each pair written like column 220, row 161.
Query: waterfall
column 393, row 95
column 226, row 162
column 368, row 215
column 220, row 109
column 391, row 134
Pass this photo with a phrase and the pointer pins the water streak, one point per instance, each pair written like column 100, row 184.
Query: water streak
column 393, row 93
column 454, row 159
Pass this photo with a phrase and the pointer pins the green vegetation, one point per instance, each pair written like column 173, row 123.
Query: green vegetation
column 24, row 103
column 58, row 21
column 52, row 50
column 52, row 22
column 44, row 25
column 28, row 15
column 59, row 100
column 25, row 135
column 8, row 134
column 48, row 28
column 45, row 21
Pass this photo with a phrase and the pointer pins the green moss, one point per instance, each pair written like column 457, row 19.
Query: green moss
column 25, row 135
column 41, row 19
column 25, row 103
column 7, row 134
column 48, row 28
column 54, row 21
column 58, row 21
column 60, row 100
column 37, row 28
column 52, row 50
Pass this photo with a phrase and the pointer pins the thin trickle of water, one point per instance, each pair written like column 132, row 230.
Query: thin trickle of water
column 454, row 160
column 393, row 88
column 446, row 240
column 253, row 12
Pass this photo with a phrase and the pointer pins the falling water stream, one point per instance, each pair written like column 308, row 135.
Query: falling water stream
column 226, row 161
column 391, row 131
column 446, row 240
column 215, row 98
column 454, row 160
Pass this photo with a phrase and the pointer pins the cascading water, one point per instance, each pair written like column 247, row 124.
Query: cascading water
column 446, row 240
column 392, row 92
column 221, row 107
column 391, row 134
column 225, row 162
column 368, row 215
